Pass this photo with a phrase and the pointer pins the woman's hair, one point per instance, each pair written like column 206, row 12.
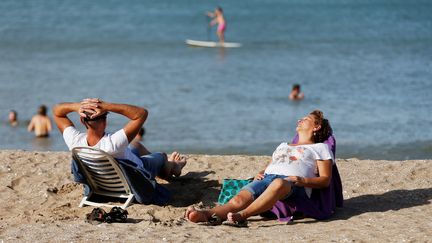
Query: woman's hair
column 325, row 131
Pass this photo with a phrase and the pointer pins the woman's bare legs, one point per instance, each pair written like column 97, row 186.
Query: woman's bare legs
column 221, row 36
column 237, row 203
column 277, row 190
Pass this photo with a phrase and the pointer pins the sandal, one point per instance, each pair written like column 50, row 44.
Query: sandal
column 212, row 221
column 117, row 215
column 97, row 216
column 237, row 224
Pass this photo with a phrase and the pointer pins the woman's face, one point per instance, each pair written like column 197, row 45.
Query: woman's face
column 307, row 123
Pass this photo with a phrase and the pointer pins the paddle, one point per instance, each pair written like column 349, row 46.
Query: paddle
column 208, row 19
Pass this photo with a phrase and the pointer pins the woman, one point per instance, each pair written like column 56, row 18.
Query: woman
column 219, row 19
column 292, row 173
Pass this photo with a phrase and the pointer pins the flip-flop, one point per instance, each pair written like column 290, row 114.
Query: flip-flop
column 117, row 215
column 214, row 220
column 97, row 216
column 238, row 224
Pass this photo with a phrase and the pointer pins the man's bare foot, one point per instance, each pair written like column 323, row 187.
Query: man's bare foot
column 195, row 216
column 173, row 156
column 179, row 162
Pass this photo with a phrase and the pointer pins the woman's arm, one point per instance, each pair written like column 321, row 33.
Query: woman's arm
column 325, row 174
column 260, row 174
column 30, row 126
column 214, row 22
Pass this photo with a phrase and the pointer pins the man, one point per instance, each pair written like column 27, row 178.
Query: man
column 40, row 123
column 296, row 93
column 93, row 115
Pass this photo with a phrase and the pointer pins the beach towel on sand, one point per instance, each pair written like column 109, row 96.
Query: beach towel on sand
column 146, row 190
column 230, row 188
column 321, row 204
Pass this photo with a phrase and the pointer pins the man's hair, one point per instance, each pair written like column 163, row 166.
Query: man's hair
column 296, row 86
column 42, row 110
column 87, row 121
column 220, row 9
column 325, row 131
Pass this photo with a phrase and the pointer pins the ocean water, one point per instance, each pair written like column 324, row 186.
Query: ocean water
column 366, row 64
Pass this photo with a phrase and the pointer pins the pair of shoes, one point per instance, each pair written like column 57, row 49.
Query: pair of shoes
column 98, row 215
column 238, row 224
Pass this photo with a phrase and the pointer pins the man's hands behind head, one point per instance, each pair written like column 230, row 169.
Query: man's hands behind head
column 91, row 108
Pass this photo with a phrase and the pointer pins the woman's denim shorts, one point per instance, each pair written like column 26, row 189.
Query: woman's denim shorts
column 257, row 187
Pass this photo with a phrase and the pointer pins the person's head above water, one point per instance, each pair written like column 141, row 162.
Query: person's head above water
column 296, row 94
column 42, row 110
column 13, row 117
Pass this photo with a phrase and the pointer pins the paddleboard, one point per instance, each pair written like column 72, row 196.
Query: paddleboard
column 212, row 44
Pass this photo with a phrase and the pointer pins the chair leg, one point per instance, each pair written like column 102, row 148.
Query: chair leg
column 83, row 201
column 128, row 201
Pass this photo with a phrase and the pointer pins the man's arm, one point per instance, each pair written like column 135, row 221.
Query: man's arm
column 30, row 126
column 60, row 112
column 137, row 115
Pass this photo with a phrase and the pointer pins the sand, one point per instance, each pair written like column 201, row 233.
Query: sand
column 384, row 201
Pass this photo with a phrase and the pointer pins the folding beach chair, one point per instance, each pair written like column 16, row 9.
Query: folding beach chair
column 103, row 175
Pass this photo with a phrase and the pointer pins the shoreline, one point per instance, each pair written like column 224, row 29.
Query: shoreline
column 384, row 201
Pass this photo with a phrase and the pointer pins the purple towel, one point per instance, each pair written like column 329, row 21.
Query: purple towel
column 322, row 203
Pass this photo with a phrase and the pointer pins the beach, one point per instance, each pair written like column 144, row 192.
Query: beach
column 385, row 201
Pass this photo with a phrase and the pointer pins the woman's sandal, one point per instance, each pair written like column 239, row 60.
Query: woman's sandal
column 238, row 224
column 212, row 221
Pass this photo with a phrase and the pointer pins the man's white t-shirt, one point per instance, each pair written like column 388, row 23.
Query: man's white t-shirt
column 298, row 160
column 115, row 144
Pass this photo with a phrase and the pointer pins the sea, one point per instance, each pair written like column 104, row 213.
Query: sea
column 366, row 64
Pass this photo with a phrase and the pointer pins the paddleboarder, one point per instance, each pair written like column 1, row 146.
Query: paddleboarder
column 218, row 18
